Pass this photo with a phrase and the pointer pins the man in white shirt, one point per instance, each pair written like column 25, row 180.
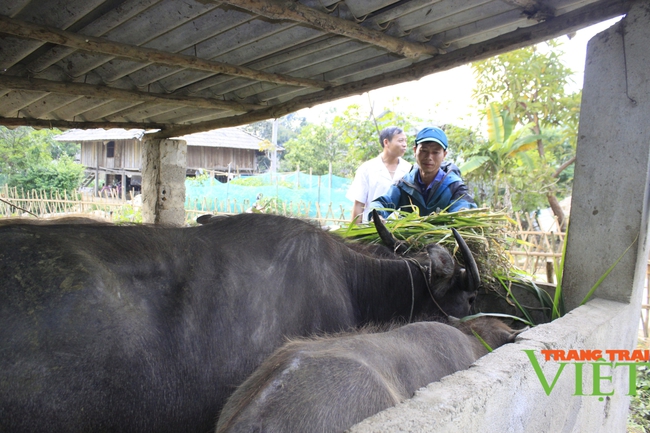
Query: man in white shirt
column 374, row 177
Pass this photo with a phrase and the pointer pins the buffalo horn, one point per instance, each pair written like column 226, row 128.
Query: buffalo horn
column 470, row 263
column 386, row 236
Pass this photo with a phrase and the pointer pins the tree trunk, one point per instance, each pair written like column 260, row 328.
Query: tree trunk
column 557, row 211
column 552, row 200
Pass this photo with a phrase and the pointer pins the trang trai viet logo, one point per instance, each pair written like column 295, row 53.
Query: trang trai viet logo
column 598, row 365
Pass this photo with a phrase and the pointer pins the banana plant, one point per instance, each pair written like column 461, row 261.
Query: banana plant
column 506, row 147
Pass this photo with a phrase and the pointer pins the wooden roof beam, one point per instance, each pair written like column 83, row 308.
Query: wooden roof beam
column 64, row 124
column 522, row 37
column 28, row 30
column 97, row 91
column 294, row 11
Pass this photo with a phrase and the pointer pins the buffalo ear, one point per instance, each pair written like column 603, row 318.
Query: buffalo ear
column 204, row 219
column 209, row 218
column 442, row 270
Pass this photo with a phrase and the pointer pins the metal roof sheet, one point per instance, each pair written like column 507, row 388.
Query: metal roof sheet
column 196, row 65
column 225, row 137
column 234, row 138
column 99, row 134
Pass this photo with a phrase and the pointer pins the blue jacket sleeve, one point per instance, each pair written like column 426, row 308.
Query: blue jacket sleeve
column 388, row 200
column 461, row 199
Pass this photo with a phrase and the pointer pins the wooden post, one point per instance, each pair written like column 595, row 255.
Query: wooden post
column 550, row 273
column 97, row 152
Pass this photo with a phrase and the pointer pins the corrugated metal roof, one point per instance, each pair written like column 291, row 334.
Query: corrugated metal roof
column 226, row 137
column 99, row 134
column 196, row 65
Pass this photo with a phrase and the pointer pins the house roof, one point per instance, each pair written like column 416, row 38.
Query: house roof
column 99, row 134
column 226, row 137
column 196, row 65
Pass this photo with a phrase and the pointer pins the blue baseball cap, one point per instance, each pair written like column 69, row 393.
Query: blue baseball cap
column 432, row 134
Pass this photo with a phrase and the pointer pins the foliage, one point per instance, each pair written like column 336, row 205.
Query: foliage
column 315, row 148
column 352, row 138
column 639, row 418
column 259, row 181
column 32, row 159
column 62, row 174
column 462, row 143
column 127, row 215
column 483, row 230
column 199, row 180
column 526, row 89
column 360, row 132
column 288, row 127
column 496, row 164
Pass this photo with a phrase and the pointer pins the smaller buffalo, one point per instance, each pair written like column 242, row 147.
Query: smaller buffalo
column 329, row 384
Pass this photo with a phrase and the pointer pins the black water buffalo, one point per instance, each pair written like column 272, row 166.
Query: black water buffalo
column 145, row 328
column 328, row 384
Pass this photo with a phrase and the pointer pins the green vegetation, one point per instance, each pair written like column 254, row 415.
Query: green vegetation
column 532, row 123
column 316, row 148
column 483, row 230
column 351, row 139
column 31, row 159
column 639, row 418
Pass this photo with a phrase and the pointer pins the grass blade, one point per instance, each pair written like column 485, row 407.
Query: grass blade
column 607, row 272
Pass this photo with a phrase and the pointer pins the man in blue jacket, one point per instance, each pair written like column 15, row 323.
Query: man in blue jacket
column 432, row 184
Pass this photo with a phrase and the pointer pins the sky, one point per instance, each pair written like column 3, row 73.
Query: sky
column 446, row 97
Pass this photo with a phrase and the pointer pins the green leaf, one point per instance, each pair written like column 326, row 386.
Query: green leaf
column 473, row 163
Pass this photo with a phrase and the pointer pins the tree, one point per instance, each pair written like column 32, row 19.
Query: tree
column 288, row 127
column 530, row 86
column 315, row 148
column 22, row 148
column 496, row 164
column 360, row 130
column 352, row 139
column 32, row 159
column 61, row 174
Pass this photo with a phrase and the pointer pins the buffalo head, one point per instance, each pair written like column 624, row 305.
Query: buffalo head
column 452, row 287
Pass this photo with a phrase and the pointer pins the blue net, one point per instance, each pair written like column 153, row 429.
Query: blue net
column 294, row 193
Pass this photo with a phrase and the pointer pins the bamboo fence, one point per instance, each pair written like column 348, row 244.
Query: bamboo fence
column 536, row 252
column 17, row 202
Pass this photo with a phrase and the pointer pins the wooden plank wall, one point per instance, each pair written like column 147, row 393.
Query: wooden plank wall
column 211, row 158
column 218, row 158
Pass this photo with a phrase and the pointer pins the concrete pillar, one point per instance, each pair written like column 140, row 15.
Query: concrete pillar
column 609, row 210
column 163, row 181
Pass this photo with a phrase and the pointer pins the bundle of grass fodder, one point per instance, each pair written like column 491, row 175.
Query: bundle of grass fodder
column 486, row 234
column 484, row 231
